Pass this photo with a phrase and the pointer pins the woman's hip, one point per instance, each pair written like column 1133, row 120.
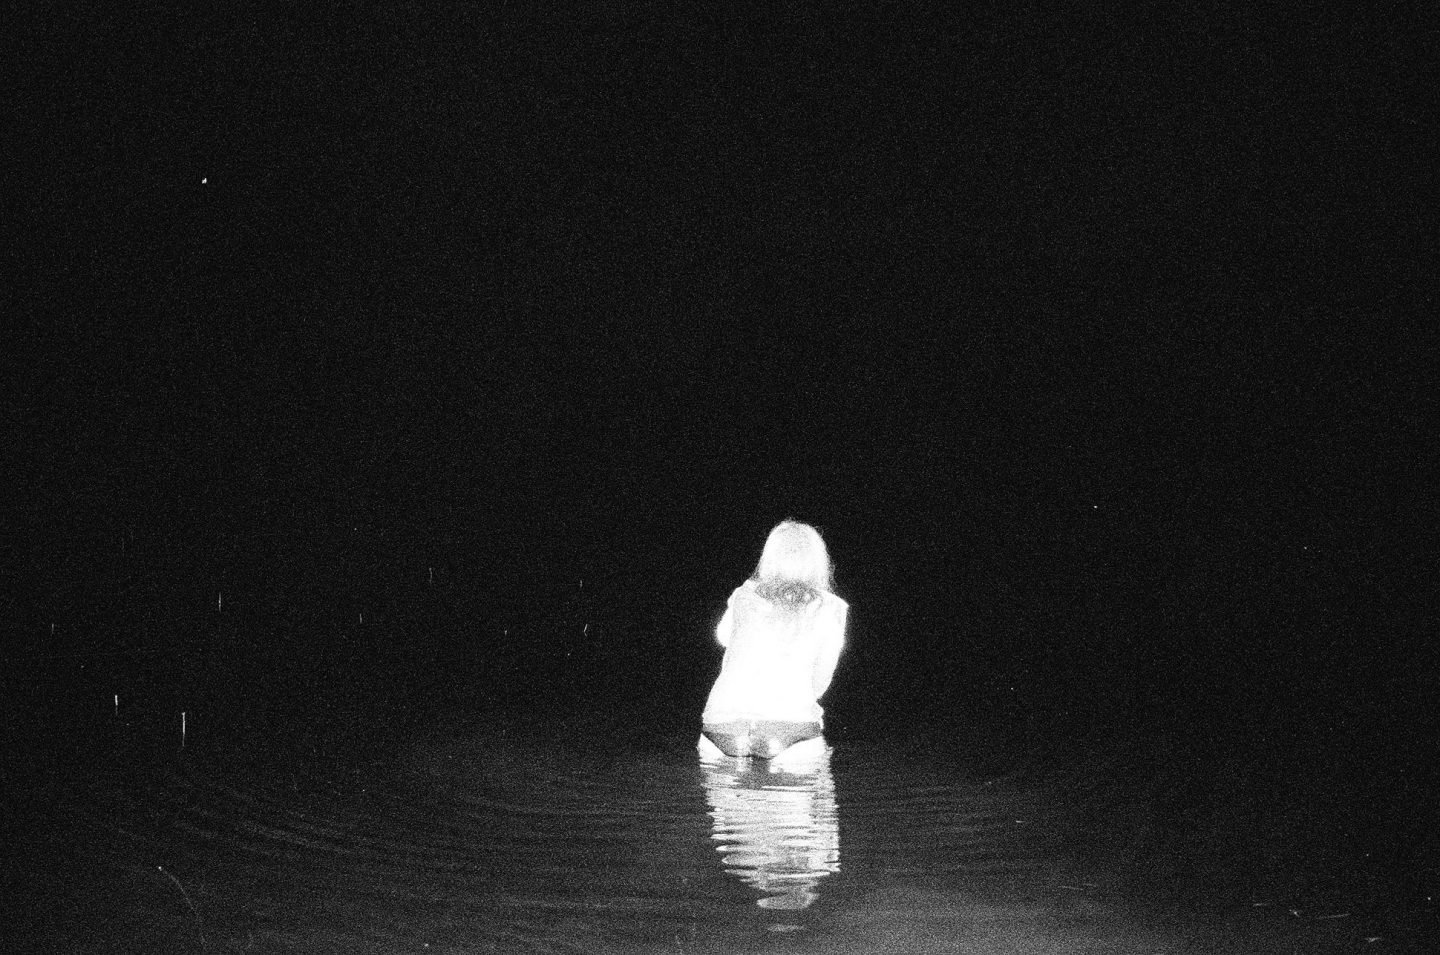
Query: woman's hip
column 763, row 738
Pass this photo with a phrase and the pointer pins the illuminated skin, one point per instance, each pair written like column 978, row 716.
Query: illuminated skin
column 804, row 756
column 778, row 663
column 780, row 655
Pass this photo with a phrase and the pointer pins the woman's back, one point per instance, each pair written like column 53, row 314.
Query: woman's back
column 780, row 653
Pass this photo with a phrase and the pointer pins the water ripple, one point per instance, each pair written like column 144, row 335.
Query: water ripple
column 476, row 844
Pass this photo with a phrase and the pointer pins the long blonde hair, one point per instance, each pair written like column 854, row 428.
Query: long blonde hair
column 795, row 566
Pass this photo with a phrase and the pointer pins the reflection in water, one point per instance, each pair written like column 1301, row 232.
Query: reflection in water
column 777, row 828
column 471, row 841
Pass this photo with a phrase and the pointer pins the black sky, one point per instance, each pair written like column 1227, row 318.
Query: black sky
column 1082, row 338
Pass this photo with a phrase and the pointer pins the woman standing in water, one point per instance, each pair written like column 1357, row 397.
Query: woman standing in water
column 782, row 632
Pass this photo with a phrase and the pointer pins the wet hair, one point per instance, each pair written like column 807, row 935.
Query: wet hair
column 794, row 567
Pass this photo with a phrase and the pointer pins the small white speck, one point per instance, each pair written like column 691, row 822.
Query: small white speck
column 204, row 180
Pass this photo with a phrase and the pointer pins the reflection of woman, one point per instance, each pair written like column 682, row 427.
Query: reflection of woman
column 782, row 633
column 778, row 831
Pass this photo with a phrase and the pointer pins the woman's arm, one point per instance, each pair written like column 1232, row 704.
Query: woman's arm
column 831, row 645
column 727, row 623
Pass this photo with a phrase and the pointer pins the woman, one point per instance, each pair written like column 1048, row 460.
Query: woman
column 782, row 632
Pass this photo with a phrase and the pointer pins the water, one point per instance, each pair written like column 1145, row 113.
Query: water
column 488, row 843
column 311, row 810
column 483, row 836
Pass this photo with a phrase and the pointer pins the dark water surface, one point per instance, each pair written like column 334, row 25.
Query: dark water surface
column 361, row 825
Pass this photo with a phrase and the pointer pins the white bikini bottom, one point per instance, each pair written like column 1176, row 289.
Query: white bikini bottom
column 762, row 738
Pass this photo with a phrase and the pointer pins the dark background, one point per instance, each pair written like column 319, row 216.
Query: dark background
column 345, row 346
